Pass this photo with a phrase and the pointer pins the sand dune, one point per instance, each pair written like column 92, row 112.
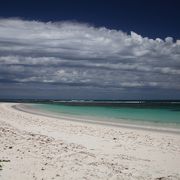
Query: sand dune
column 39, row 147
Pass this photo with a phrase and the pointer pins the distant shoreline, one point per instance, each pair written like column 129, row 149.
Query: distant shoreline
column 92, row 101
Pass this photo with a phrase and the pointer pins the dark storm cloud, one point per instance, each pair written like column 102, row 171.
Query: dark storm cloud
column 74, row 54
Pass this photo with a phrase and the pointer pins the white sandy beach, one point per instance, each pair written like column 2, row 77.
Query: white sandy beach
column 43, row 148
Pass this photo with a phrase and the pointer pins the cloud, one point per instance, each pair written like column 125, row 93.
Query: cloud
column 75, row 54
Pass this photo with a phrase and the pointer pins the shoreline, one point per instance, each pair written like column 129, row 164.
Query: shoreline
column 146, row 127
column 36, row 147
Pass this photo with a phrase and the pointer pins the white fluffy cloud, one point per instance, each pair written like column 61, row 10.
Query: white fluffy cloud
column 74, row 54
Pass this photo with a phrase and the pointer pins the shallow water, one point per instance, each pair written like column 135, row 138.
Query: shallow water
column 168, row 115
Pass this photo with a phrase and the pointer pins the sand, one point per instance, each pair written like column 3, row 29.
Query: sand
column 38, row 147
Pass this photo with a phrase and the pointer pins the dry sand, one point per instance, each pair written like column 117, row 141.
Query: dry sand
column 37, row 147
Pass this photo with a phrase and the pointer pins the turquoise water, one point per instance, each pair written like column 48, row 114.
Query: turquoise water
column 168, row 115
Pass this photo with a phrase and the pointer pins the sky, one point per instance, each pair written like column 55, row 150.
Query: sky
column 90, row 49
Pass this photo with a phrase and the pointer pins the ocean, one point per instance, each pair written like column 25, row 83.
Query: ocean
column 132, row 112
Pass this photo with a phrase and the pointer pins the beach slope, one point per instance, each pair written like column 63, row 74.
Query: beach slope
column 37, row 147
